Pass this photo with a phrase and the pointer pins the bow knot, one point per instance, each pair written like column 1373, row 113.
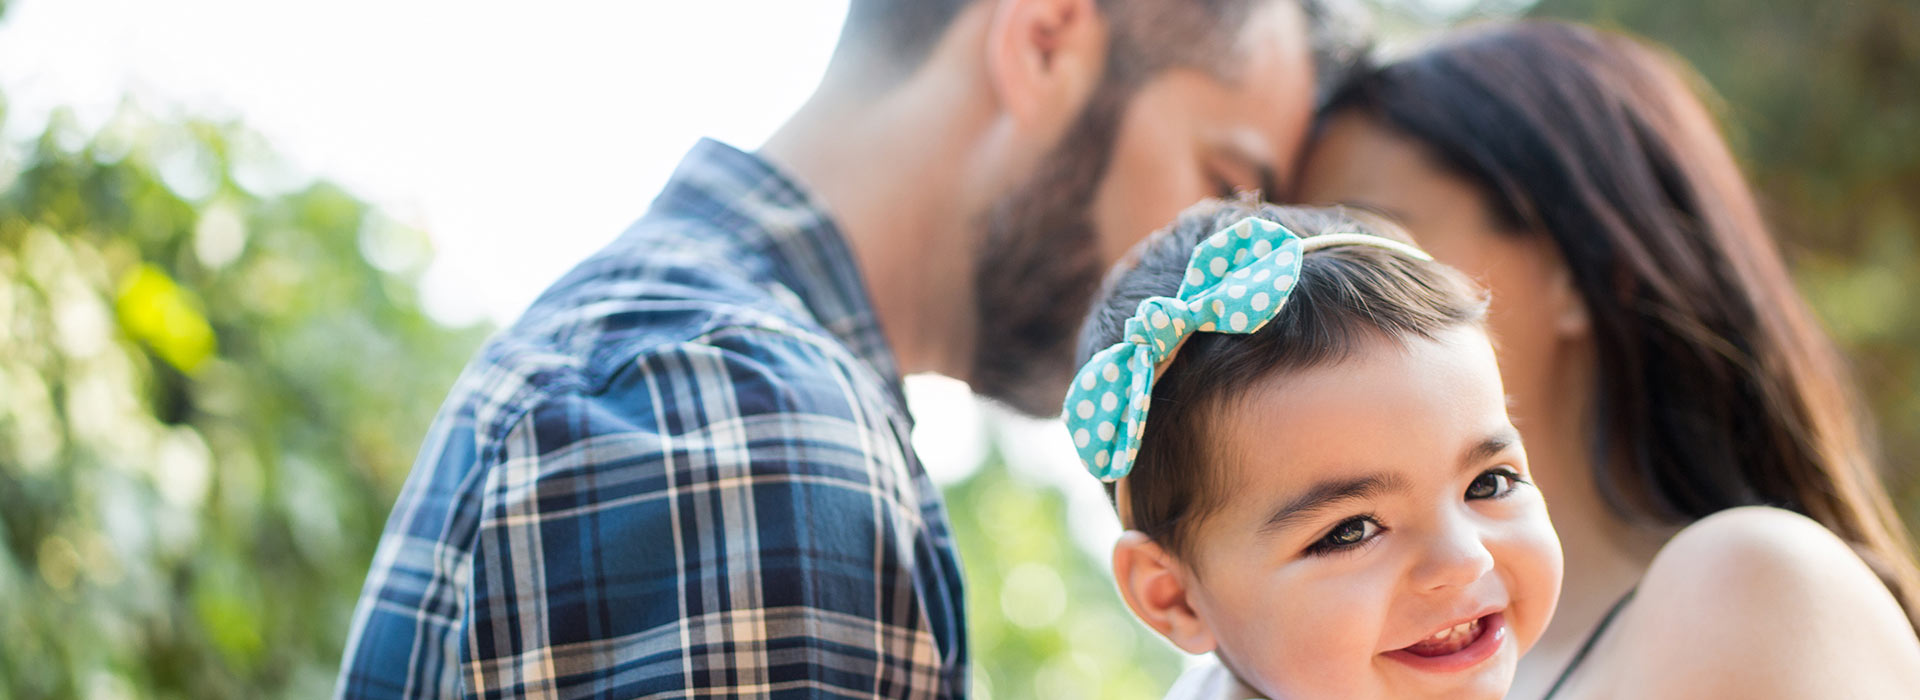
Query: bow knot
column 1235, row 282
column 1160, row 323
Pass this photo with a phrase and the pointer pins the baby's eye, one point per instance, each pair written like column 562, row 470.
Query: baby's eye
column 1495, row 483
column 1349, row 533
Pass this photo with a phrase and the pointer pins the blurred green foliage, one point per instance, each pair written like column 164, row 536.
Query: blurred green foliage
column 211, row 397
column 1044, row 618
column 213, row 376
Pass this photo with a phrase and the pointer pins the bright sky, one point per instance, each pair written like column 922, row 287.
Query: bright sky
column 520, row 136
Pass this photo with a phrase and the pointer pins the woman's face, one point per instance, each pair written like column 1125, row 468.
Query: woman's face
column 1356, row 162
column 1380, row 539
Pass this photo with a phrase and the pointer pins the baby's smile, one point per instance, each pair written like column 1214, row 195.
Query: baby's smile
column 1448, row 640
column 1457, row 647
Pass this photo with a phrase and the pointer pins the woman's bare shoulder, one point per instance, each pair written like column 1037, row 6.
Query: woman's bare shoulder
column 1765, row 603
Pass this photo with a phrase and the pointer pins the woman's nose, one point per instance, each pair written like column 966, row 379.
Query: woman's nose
column 1455, row 556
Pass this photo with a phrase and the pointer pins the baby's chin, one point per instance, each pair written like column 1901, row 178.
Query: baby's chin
column 1389, row 680
column 1477, row 663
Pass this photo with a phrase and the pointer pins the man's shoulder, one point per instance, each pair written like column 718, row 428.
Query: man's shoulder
column 675, row 362
column 664, row 289
column 672, row 346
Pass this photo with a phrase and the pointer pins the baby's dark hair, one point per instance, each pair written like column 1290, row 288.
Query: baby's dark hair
column 1345, row 298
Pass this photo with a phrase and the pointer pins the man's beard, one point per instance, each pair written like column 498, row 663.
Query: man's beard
column 1035, row 277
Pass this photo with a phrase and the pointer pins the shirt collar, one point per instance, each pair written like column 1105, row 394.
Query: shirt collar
column 764, row 211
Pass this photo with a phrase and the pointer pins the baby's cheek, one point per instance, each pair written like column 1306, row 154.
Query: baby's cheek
column 1534, row 561
column 1326, row 644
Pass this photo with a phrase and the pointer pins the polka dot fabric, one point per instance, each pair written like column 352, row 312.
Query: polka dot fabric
column 1236, row 282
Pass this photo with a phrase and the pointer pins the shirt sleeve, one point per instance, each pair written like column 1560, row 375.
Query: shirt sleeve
column 739, row 516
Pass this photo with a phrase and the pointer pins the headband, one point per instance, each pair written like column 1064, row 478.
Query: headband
column 1236, row 282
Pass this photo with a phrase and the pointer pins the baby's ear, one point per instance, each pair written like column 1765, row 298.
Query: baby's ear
column 1157, row 588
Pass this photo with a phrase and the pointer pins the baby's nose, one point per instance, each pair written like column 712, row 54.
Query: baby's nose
column 1454, row 557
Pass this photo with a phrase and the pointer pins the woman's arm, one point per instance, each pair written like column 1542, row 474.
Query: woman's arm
column 1765, row 603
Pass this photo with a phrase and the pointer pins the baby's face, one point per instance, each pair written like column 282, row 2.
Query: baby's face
column 1379, row 538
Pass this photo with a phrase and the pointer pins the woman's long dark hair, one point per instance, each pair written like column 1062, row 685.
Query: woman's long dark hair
column 1717, row 387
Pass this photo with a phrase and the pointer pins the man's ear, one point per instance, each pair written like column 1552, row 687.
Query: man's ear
column 1044, row 58
column 1157, row 588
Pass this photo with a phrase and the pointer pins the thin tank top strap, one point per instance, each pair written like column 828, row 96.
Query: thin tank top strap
column 1587, row 646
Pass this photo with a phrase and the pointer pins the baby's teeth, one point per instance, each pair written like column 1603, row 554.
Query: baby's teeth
column 1459, row 629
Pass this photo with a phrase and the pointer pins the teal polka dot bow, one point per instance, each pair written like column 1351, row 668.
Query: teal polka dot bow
column 1236, row 282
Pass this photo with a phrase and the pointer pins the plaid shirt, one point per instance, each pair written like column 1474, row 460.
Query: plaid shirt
column 684, row 472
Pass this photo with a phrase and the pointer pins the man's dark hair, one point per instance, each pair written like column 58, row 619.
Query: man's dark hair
column 1148, row 35
column 1346, row 299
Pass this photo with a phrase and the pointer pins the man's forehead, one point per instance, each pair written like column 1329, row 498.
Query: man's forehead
column 1273, row 32
column 1274, row 45
column 1270, row 99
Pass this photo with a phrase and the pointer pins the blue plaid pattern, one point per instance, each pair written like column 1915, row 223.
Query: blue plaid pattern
column 685, row 472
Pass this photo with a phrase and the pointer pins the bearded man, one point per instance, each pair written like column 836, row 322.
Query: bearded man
column 685, row 471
